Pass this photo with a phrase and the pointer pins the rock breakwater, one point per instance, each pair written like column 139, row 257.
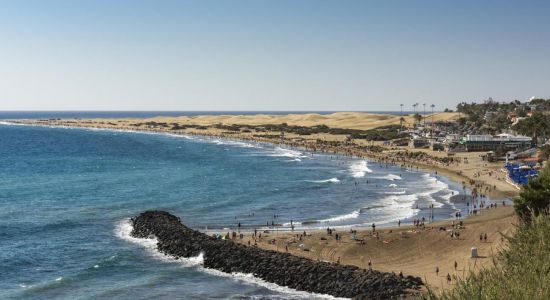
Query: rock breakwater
column 179, row 241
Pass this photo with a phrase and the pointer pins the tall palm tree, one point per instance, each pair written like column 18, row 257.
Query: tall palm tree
column 418, row 118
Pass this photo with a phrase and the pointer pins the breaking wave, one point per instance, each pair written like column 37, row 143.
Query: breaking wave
column 358, row 169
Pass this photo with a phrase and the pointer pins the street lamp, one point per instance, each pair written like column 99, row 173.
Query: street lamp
column 414, row 116
column 432, row 106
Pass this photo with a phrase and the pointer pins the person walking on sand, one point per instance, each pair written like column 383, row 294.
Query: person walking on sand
column 370, row 264
column 456, row 265
column 448, row 278
column 485, row 238
column 373, row 227
column 437, row 271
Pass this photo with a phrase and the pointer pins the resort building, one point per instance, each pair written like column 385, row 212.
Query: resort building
column 503, row 142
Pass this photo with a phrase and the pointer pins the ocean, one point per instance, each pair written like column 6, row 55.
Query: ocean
column 67, row 194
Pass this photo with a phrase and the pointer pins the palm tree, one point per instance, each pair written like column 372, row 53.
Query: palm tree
column 417, row 118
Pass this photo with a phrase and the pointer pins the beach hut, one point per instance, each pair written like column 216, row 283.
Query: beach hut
column 474, row 252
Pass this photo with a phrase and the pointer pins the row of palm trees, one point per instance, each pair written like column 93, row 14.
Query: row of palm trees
column 417, row 117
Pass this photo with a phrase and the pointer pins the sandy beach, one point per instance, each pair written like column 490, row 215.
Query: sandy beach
column 407, row 249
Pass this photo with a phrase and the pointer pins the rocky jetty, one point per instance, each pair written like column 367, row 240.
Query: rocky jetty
column 284, row 269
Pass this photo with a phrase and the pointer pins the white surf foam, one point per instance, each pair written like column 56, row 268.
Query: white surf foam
column 10, row 123
column 282, row 152
column 390, row 177
column 352, row 215
column 250, row 279
column 235, row 143
column 393, row 185
column 396, row 192
column 359, row 169
column 434, row 186
column 333, row 180
column 124, row 228
column 399, row 207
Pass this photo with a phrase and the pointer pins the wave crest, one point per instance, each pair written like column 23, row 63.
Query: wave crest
column 358, row 169
column 333, row 180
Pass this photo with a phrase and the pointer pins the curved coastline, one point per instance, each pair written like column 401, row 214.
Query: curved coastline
column 257, row 143
column 366, row 155
column 349, row 258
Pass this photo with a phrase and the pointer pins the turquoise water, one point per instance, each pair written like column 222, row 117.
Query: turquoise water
column 66, row 195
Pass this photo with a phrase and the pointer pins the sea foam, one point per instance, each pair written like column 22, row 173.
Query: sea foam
column 333, row 180
column 358, row 169
column 283, row 152
column 390, row 177
column 352, row 215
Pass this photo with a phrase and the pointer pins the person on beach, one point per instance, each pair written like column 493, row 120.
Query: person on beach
column 373, row 227
column 456, row 265
column 437, row 271
column 485, row 238
column 448, row 278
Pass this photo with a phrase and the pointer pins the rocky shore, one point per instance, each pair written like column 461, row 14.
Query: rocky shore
column 179, row 241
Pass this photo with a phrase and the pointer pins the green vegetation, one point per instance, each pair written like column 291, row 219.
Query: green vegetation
column 534, row 198
column 523, row 270
column 384, row 133
column 494, row 117
column 537, row 126
column 417, row 118
column 519, row 272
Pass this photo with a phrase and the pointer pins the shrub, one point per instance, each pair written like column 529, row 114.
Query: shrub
column 534, row 197
column 520, row 272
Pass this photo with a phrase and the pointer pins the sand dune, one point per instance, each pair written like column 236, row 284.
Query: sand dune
column 351, row 120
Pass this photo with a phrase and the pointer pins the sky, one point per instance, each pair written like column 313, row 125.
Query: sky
column 270, row 55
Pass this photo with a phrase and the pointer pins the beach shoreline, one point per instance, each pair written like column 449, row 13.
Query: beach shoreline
column 385, row 257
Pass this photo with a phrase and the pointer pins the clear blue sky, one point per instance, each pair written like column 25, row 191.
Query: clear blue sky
column 270, row 55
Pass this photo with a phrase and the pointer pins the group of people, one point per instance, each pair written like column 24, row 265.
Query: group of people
column 483, row 237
